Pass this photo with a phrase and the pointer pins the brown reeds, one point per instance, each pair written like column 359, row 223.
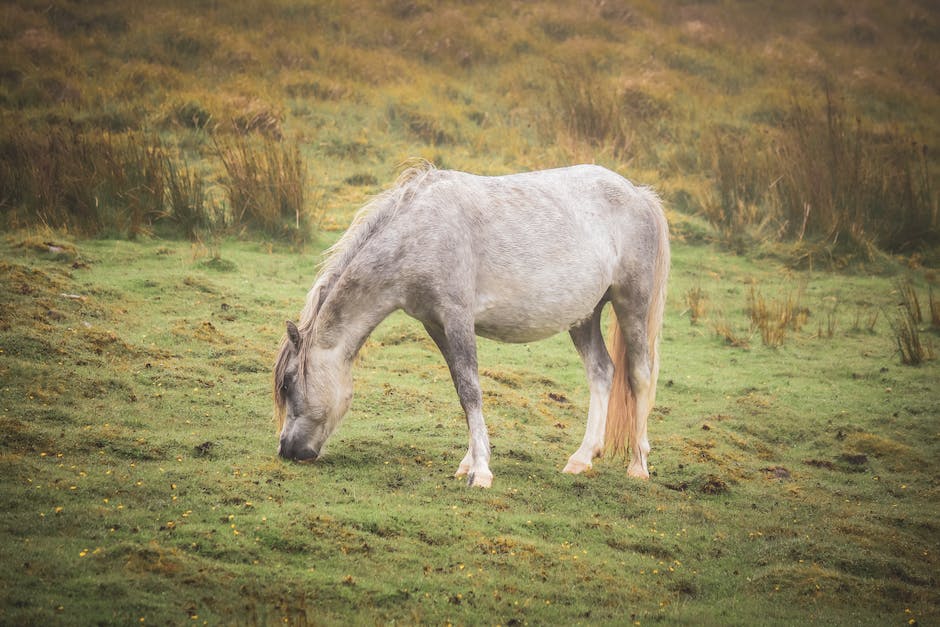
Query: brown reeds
column 697, row 303
column 724, row 331
column 89, row 183
column 912, row 348
column 826, row 177
column 934, row 310
column 590, row 110
column 774, row 317
column 265, row 184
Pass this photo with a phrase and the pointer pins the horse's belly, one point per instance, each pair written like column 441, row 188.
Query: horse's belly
column 526, row 315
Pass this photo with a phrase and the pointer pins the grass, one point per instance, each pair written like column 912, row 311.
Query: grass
column 141, row 479
column 265, row 183
column 906, row 325
column 794, row 476
column 813, row 128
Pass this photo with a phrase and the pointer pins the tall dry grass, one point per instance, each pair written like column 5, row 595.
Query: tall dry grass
column 265, row 181
column 88, row 183
column 774, row 317
column 840, row 180
column 188, row 204
column 913, row 348
column 824, row 176
column 129, row 185
column 696, row 301
column 589, row 109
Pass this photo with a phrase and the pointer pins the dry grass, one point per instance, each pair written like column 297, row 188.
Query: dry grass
column 934, row 310
column 85, row 182
column 590, row 109
column 774, row 317
column 842, row 180
column 867, row 315
column 188, row 203
column 265, row 183
column 824, row 176
column 913, row 349
column 829, row 330
column 697, row 303
column 729, row 334
column 672, row 94
column 909, row 300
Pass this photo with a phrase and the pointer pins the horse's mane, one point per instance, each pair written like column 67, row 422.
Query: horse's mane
column 369, row 220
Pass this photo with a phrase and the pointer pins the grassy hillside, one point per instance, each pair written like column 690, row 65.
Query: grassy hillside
column 810, row 122
column 170, row 171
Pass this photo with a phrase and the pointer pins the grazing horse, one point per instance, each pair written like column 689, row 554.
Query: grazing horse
column 513, row 258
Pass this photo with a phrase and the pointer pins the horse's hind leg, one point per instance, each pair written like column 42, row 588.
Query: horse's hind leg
column 589, row 342
column 632, row 315
column 458, row 345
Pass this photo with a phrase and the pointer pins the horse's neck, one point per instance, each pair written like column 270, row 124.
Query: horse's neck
column 351, row 312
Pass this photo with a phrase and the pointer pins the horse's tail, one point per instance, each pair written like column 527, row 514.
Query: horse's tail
column 622, row 405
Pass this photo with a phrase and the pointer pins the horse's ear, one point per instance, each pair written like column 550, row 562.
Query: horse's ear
column 294, row 334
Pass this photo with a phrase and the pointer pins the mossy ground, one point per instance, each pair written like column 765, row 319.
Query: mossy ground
column 141, row 481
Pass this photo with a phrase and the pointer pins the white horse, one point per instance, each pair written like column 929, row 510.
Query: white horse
column 514, row 258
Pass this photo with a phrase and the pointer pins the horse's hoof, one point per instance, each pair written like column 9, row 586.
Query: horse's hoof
column 479, row 480
column 576, row 467
column 638, row 473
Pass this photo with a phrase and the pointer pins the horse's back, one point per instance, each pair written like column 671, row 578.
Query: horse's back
column 535, row 252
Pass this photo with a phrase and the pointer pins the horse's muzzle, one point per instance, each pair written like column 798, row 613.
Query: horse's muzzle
column 302, row 453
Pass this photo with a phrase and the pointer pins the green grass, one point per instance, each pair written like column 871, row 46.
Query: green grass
column 141, row 481
column 138, row 475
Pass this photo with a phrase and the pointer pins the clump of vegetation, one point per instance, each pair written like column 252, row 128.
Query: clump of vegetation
column 913, row 349
column 697, row 303
column 84, row 182
column 265, row 182
column 821, row 178
column 127, row 184
column 841, row 180
column 188, row 204
column 867, row 315
column 774, row 317
column 934, row 310
column 726, row 332
column 590, row 110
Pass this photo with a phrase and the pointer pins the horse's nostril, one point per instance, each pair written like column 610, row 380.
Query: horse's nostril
column 306, row 454
column 302, row 453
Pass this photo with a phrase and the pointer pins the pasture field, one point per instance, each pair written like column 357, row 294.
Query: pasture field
column 171, row 170
column 140, row 481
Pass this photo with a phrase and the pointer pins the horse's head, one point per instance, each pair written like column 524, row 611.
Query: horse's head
column 312, row 391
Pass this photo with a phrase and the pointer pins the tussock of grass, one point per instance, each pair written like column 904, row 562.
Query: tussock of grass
column 934, row 309
column 265, row 183
column 773, row 317
column 697, row 302
column 591, row 110
column 913, row 349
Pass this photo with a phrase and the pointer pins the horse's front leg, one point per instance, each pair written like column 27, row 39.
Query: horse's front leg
column 458, row 345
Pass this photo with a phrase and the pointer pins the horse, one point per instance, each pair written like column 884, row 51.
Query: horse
column 514, row 258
